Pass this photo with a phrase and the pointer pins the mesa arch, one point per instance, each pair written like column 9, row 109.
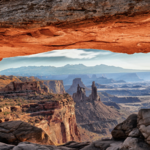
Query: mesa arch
column 29, row 27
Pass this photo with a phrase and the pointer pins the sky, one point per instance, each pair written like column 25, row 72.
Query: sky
column 87, row 57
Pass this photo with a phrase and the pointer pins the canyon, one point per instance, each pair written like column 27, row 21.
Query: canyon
column 35, row 103
column 29, row 27
column 32, row 103
column 131, row 134
column 93, row 115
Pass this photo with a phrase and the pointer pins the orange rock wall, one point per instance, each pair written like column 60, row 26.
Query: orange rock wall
column 24, row 88
column 58, row 118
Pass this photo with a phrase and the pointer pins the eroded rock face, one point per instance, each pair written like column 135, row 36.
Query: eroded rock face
column 24, row 89
column 5, row 80
column 122, row 130
column 80, row 95
column 56, row 86
column 14, row 132
column 119, row 26
column 144, row 123
column 54, row 115
column 77, row 82
column 134, row 144
column 61, row 11
column 94, row 95
column 60, row 122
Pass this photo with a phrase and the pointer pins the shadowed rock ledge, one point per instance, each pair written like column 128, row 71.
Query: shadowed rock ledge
column 119, row 26
column 136, row 137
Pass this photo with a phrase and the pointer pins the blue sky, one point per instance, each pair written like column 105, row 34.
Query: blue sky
column 87, row 57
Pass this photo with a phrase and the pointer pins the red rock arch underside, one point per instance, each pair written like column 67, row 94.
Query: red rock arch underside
column 29, row 27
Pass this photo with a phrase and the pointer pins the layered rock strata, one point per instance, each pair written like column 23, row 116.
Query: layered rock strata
column 144, row 123
column 56, row 86
column 5, row 80
column 133, row 141
column 55, row 115
column 24, row 89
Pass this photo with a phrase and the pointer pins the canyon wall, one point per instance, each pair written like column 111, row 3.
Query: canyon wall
column 55, row 85
column 119, row 26
column 24, row 89
column 53, row 113
column 5, row 80
column 60, row 120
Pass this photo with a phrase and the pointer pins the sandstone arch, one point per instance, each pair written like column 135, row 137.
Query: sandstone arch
column 29, row 27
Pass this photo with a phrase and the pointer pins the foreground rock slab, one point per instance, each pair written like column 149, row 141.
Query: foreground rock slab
column 134, row 144
column 122, row 130
column 14, row 132
column 4, row 146
column 144, row 123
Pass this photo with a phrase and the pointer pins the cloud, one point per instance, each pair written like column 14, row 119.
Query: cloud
column 73, row 54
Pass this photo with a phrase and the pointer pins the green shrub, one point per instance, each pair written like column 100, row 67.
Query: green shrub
column 6, row 113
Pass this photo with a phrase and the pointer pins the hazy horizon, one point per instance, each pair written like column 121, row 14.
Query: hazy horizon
column 87, row 57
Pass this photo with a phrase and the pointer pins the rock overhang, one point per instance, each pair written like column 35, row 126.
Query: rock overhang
column 29, row 27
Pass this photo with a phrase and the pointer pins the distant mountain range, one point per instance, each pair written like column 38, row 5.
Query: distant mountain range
column 68, row 69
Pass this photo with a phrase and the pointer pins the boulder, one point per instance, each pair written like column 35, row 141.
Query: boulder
column 134, row 144
column 4, row 146
column 114, row 146
column 134, row 133
column 122, row 130
column 33, row 146
column 144, row 123
column 107, row 144
column 75, row 145
column 14, row 132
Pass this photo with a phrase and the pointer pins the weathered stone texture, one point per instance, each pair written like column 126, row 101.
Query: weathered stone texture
column 56, row 86
column 122, row 130
column 24, row 88
column 22, row 13
column 40, row 26
column 55, row 117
